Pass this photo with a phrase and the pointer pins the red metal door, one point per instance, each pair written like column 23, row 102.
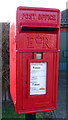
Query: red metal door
column 43, row 100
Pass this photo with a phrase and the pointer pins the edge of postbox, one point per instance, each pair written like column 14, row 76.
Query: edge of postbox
column 37, row 8
column 34, row 110
column 38, row 17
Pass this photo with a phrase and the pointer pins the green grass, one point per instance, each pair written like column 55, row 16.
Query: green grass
column 8, row 111
column 0, row 113
column 39, row 115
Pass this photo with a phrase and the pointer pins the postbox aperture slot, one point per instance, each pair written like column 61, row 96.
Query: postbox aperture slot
column 25, row 28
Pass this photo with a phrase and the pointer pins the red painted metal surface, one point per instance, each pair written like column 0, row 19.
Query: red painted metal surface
column 12, row 63
column 37, row 30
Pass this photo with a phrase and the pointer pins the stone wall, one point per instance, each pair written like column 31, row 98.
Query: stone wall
column 5, row 61
column 0, row 70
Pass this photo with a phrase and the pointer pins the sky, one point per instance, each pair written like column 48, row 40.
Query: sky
column 8, row 7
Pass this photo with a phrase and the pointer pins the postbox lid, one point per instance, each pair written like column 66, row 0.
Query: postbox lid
column 38, row 17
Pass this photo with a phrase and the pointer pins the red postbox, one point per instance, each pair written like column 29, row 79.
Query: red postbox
column 34, row 58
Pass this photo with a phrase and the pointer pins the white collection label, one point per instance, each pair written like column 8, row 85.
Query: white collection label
column 38, row 78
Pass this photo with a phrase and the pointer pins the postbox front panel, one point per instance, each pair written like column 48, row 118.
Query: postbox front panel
column 37, row 53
